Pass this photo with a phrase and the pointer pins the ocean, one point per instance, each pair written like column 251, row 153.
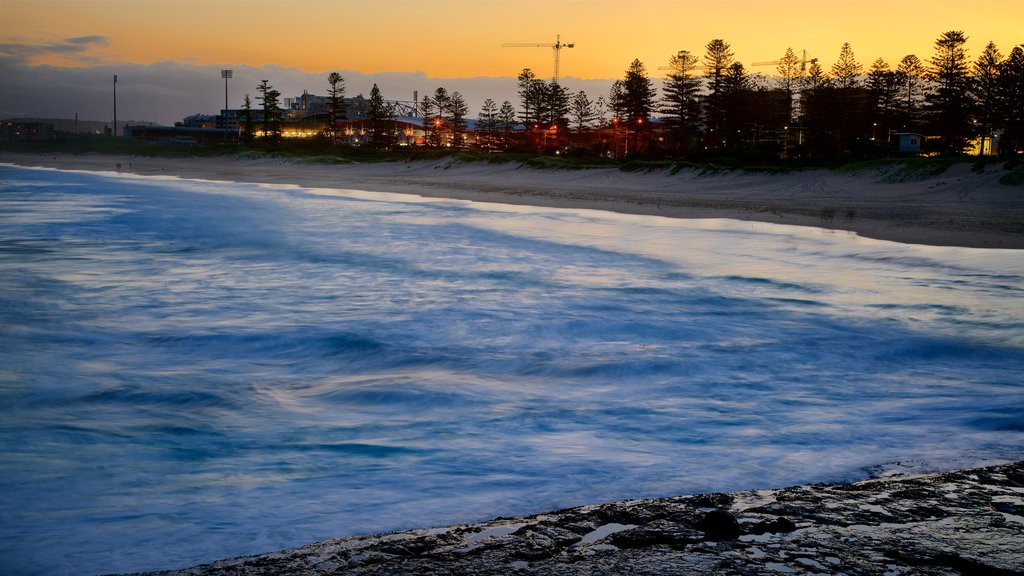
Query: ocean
column 192, row 370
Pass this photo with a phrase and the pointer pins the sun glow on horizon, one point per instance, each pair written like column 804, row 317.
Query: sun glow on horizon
column 461, row 39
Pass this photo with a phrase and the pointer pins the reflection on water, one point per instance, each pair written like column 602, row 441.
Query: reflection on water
column 194, row 370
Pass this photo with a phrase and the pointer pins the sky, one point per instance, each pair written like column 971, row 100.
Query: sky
column 168, row 53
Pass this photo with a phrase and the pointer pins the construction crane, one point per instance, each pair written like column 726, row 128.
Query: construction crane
column 557, row 47
column 803, row 62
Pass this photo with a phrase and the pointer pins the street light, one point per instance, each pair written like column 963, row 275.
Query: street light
column 225, row 74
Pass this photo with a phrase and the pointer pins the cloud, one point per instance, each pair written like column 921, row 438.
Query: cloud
column 25, row 52
column 90, row 39
column 167, row 91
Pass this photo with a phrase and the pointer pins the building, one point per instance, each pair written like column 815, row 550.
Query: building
column 906, row 142
column 13, row 130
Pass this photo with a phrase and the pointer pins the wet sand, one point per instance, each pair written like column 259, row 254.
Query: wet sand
column 957, row 208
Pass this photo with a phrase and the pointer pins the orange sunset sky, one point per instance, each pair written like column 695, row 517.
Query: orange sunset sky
column 462, row 38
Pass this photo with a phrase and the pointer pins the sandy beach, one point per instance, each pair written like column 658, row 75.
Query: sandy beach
column 960, row 207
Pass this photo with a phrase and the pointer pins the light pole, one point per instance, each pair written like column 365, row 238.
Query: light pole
column 225, row 74
column 114, row 133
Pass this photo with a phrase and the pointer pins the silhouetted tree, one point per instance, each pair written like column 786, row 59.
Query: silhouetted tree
column 556, row 105
column 912, row 73
column 736, row 105
column 380, row 113
column 1011, row 94
column 790, row 71
column 948, row 102
column 582, row 110
column 249, row 126
column 457, row 110
column 431, row 122
column 506, row 121
column 883, row 88
column 487, row 125
column 442, row 101
column 531, row 97
column 272, row 113
column 617, row 100
column 986, row 90
column 846, row 69
column 335, row 104
column 717, row 59
column 679, row 100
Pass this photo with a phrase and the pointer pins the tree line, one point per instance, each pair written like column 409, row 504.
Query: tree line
column 712, row 104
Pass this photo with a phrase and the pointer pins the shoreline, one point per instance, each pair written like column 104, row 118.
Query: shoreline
column 957, row 208
column 965, row 521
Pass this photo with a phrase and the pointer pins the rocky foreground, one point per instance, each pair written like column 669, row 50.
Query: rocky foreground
column 967, row 522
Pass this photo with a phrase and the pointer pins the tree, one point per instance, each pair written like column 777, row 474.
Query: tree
column 556, row 105
column 335, row 104
column 442, row 102
column 948, row 102
column 582, row 113
column 850, row 104
column 379, row 112
column 617, row 99
column 679, row 100
column 249, row 126
column 986, row 90
column 912, row 73
column 717, row 59
column 846, row 69
column 883, row 88
column 506, row 121
column 457, row 110
column 488, row 122
column 272, row 113
column 1011, row 94
column 790, row 70
column 736, row 103
column 638, row 93
column 531, row 96
column 431, row 121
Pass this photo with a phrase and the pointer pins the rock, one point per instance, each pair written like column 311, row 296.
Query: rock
column 967, row 522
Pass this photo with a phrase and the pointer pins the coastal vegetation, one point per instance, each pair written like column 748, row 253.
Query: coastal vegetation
column 714, row 107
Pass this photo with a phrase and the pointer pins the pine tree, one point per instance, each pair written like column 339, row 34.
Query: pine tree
column 488, row 122
column 846, row 69
column 379, row 112
column 556, row 105
column 335, row 104
column 506, row 121
column 249, row 126
column 680, row 91
column 638, row 94
column 736, row 103
column 272, row 113
column 717, row 59
column 457, row 110
column 441, row 128
column 986, row 89
column 883, row 87
column 790, row 70
column 948, row 102
column 1011, row 94
column 428, row 111
column 582, row 113
column 912, row 74
column 530, row 96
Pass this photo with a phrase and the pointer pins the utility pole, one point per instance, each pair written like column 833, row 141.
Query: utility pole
column 114, row 133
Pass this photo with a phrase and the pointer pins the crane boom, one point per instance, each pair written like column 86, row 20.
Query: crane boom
column 557, row 47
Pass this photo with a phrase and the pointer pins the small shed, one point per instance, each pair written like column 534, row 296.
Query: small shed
column 906, row 142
